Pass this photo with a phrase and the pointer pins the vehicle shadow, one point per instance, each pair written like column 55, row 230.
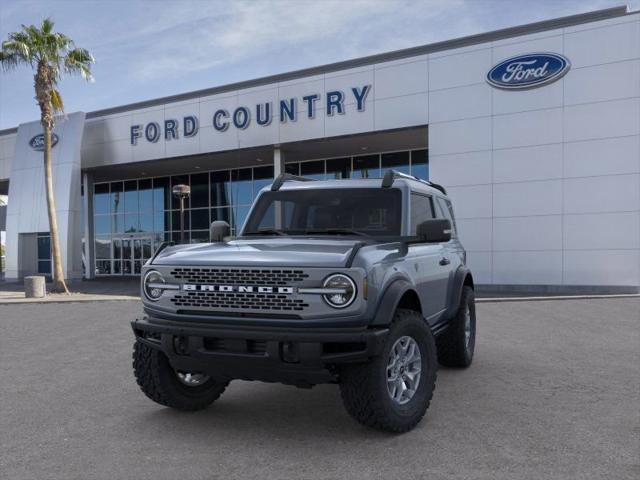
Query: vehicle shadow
column 268, row 410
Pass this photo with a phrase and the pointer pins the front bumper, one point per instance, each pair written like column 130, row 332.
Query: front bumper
column 298, row 356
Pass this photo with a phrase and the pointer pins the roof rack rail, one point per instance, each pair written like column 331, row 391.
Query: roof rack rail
column 285, row 177
column 391, row 175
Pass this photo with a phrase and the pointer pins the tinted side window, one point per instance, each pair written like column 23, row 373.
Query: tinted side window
column 446, row 211
column 421, row 210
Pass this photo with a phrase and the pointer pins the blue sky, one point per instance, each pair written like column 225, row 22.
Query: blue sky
column 149, row 49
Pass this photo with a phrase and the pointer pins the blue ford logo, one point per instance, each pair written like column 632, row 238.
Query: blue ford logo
column 37, row 142
column 528, row 71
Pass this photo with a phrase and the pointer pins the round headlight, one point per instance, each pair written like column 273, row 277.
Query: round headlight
column 149, row 285
column 344, row 291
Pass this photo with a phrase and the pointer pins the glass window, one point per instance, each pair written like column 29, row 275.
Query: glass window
column 131, row 203
column 200, row 218
column 145, row 195
column 200, row 190
column 101, row 198
column 117, row 223
column 103, row 247
column 397, row 161
column 44, row 246
column 420, row 164
column 366, row 167
column 338, row 168
column 44, row 267
column 312, row 169
column 161, row 194
column 179, row 180
column 199, row 236
column 292, row 168
column 447, row 212
column 240, row 215
column 374, row 212
column 102, row 224
column 421, row 210
column 262, row 177
column 116, row 197
column 103, row 267
column 146, row 222
column 220, row 189
column 131, row 222
column 241, row 189
column 117, row 248
column 161, row 222
column 223, row 214
column 175, row 220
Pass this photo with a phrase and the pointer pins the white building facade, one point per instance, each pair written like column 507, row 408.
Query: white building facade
column 533, row 130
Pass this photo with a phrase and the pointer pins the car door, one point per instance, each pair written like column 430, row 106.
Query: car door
column 453, row 253
column 425, row 261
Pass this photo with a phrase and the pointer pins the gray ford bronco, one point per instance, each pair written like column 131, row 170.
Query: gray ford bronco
column 362, row 283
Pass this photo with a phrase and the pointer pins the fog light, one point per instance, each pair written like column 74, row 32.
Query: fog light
column 344, row 290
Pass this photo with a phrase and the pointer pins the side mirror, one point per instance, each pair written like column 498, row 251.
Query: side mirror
column 435, row 230
column 219, row 230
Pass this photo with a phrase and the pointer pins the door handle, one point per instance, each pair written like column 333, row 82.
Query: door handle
column 444, row 261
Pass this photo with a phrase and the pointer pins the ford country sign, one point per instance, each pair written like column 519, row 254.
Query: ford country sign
column 528, row 71
column 37, row 142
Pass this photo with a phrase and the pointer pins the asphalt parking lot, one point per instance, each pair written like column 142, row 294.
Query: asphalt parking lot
column 554, row 392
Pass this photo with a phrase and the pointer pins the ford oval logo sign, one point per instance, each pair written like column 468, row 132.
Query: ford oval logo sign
column 37, row 142
column 528, row 71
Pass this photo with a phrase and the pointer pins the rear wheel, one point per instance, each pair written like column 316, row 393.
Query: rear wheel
column 393, row 391
column 166, row 386
column 457, row 344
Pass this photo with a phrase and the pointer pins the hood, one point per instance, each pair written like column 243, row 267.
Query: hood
column 262, row 252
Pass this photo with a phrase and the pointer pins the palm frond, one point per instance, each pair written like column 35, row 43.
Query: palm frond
column 79, row 61
column 56, row 101
column 47, row 26
column 9, row 61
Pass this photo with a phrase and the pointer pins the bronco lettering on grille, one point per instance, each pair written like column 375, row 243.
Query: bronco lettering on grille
column 237, row 288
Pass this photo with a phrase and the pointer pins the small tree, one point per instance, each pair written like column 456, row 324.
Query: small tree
column 49, row 54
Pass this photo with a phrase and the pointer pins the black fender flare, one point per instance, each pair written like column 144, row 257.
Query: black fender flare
column 390, row 300
column 461, row 275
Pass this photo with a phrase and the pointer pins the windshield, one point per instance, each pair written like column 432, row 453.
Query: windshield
column 339, row 211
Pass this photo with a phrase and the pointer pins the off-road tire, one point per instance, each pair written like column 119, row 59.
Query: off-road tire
column 364, row 386
column 453, row 350
column 159, row 381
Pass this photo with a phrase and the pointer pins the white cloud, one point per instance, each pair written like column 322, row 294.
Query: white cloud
column 185, row 39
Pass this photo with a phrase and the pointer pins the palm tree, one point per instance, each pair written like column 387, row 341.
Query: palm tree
column 50, row 55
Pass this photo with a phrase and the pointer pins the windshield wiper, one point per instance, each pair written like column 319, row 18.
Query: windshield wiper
column 266, row 231
column 336, row 231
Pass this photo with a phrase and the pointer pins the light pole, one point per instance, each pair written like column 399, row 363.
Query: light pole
column 182, row 192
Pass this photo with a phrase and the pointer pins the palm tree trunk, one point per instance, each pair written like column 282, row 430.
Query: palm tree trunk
column 59, row 284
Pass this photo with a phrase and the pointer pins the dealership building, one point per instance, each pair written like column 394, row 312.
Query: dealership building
column 534, row 131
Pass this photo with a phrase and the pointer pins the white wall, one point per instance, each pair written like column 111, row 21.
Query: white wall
column 546, row 182
column 27, row 206
column 7, row 151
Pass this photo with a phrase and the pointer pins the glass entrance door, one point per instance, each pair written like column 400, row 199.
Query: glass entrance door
column 130, row 253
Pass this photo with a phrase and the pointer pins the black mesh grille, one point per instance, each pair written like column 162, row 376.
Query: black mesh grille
column 235, row 276
column 255, row 301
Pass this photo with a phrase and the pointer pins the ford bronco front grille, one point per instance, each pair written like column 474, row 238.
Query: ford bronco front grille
column 237, row 276
column 254, row 301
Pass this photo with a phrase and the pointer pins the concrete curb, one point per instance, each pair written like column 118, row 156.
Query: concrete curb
column 552, row 297
column 70, row 299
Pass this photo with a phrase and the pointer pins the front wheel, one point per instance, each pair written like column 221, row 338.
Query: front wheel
column 457, row 344
column 393, row 391
column 166, row 386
